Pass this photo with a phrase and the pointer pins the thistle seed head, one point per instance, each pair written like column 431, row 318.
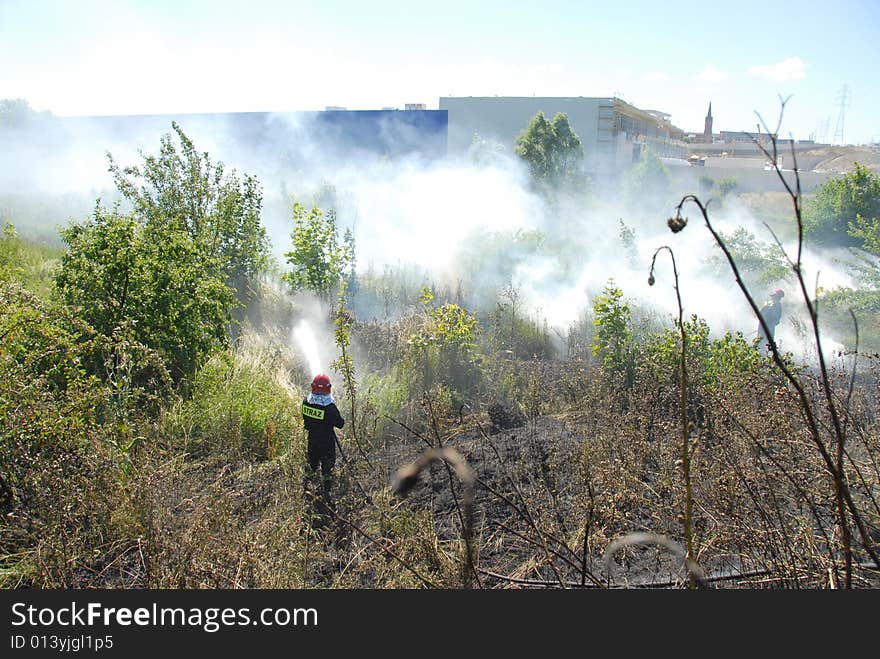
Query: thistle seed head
column 677, row 223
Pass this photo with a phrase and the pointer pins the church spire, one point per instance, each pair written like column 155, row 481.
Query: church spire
column 707, row 128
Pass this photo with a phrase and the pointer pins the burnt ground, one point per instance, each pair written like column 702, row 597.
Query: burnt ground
column 535, row 503
column 531, row 510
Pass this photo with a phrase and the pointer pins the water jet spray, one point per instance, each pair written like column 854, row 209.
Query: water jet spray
column 308, row 346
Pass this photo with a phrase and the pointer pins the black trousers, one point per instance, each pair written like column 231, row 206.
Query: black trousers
column 322, row 450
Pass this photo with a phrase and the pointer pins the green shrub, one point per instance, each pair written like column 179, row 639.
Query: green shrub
column 833, row 212
column 442, row 350
column 72, row 412
column 710, row 362
column 155, row 278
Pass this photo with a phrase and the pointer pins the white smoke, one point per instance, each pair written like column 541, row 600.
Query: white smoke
column 413, row 216
column 308, row 346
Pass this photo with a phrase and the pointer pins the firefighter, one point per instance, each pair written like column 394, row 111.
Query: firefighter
column 320, row 416
column 771, row 312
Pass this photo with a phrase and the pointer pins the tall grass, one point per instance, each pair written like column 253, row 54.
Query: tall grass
column 241, row 407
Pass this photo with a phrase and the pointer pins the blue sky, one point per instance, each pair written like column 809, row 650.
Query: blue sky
column 138, row 57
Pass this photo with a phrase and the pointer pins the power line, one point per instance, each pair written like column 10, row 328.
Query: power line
column 841, row 103
column 822, row 130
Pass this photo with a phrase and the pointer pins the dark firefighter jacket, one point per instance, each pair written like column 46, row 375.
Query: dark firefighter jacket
column 319, row 421
column 771, row 312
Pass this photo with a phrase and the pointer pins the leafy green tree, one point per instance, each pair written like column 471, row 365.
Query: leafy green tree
column 865, row 300
column 832, row 215
column 319, row 257
column 760, row 263
column 613, row 335
column 219, row 212
column 152, row 278
column 179, row 265
column 647, row 182
column 552, row 151
column 16, row 113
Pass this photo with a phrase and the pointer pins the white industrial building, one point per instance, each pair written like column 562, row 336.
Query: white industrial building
column 612, row 131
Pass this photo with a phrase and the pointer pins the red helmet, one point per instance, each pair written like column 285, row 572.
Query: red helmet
column 777, row 293
column 321, row 384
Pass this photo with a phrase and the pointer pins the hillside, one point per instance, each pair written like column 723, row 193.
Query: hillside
column 840, row 159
